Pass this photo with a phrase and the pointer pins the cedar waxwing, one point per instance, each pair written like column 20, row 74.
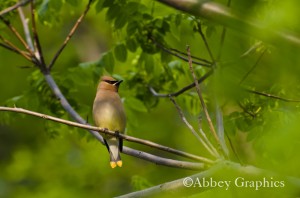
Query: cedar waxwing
column 108, row 113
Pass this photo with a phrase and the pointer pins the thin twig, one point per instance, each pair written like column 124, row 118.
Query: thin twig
column 71, row 33
column 194, row 57
column 252, row 48
column 205, row 43
column 210, row 124
column 204, row 136
column 26, row 29
column 37, row 44
column 253, row 67
column 107, row 132
column 8, row 45
column 19, row 37
column 184, row 89
column 219, row 117
column 183, row 118
column 223, row 34
column 272, row 96
column 11, row 8
column 204, row 62
column 14, row 31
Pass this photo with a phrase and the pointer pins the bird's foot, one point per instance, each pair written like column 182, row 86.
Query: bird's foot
column 105, row 130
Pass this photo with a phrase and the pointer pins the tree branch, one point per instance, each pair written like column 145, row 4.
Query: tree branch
column 223, row 34
column 26, row 29
column 11, row 8
column 189, row 186
column 184, row 89
column 164, row 161
column 112, row 133
column 71, row 33
column 210, row 124
column 272, row 96
column 253, row 67
column 206, row 45
column 227, row 17
column 175, row 52
column 15, row 32
column 40, row 57
column 219, row 117
column 10, row 46
column 211, row 150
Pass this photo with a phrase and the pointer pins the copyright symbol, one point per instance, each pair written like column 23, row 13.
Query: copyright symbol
column 187, row 182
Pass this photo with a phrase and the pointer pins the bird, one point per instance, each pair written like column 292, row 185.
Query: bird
column 109, row 114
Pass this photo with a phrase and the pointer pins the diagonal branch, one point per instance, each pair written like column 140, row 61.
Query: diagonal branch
column 19, row 37
column 199, row 26
column 183, row 186
column 225, row 16
column 26, row 29
column 253, row 67
column 184, row 89
column 223, row 34
column 272, row 96
column 37, row 44
column 210, row 124
column 219, row 116
column 108, row 132
column 14, row 31
column 194, row 57
column 194, row 184
column 11, row 8
column 176, row 53
column 71, row 33
column 210, row 148
column 10, row 46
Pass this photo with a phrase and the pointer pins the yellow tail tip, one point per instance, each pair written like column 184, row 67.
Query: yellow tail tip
column 113, row 164
column 119, row 163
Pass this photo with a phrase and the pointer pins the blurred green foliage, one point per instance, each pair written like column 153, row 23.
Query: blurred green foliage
column 39, row 158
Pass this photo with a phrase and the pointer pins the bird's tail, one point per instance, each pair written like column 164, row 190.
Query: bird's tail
column 114, row 146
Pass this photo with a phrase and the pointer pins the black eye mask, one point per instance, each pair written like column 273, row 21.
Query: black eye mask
column 111, row 81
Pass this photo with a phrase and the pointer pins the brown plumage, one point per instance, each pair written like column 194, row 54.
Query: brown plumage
column 108, row 112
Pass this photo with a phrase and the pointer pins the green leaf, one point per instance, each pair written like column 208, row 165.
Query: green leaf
column 120, row 21
column 158, row 23
column 113, row 12
column 43, row 9
column 132, row 28
column 107, row 61
column 178, row 19
column 132, row 7
column 135, row 104
column 121, row 52
column 73, row 2
column 149, row 64
column 107, row 3
column 131, row 44
column 99, row 6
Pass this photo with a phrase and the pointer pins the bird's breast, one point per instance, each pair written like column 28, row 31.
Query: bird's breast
column 109, row 114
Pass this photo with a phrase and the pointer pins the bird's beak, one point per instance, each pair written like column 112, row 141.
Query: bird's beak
column 118, row 82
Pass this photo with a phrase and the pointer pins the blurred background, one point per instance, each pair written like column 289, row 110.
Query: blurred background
column 39, row 158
